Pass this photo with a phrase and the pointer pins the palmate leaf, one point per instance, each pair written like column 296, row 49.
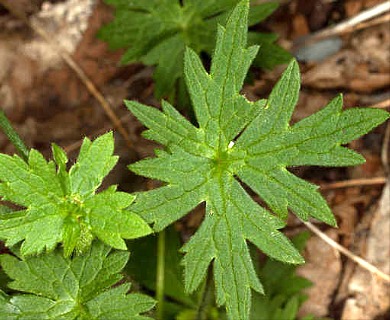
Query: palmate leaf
column 156, row 32
column 240, row 142
column 62, row 206
column 53, row 287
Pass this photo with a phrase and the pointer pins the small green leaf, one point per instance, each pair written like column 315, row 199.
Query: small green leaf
column 261, row 12
column 95, row 161
column 142, row 266
column 54, row 287
column 283, row 288
column 61, row 160
column 270, row 54
column 240, row 144
column 62, row 206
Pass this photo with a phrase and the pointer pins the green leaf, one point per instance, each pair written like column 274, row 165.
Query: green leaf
column 270, row 54
column 53, row 287
column 157, row 32
column 142, row 266
column 284, row 289
column 62, row 206
column 95, row 161
column 261, row 12
column 5, row 211
column 240, row 144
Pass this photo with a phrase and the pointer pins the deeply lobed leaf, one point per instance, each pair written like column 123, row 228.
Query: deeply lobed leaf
column 53, row 287
column 62, row 207
column 240, row 143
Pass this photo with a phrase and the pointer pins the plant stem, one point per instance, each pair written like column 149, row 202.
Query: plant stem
column 207, row 296
column 13, row 136
column 160, row 275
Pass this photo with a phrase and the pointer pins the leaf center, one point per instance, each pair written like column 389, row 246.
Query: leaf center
column 73, row 208
column 223, row 162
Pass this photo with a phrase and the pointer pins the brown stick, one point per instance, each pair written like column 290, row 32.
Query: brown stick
column 360, row 261
column 382, row 105
column 347, row 25
column 354, row 183
column 77, row 144
column 385, row 150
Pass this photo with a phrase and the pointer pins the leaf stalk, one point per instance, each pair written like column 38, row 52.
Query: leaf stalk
column 207, row 296
column 160, row 275
column 13, row 136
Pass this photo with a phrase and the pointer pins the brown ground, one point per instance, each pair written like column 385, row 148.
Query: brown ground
column 47, row 103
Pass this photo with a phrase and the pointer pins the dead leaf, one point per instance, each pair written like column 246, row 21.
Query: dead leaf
column 369, row 294
column 322, row 267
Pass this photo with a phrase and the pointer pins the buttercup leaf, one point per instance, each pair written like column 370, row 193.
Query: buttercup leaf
column 54, row 287
column 156, row 32
column 63, row 207
column 240, row 143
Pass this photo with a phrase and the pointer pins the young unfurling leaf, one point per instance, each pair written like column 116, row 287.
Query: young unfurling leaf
column 63, row 207
column 239, row 143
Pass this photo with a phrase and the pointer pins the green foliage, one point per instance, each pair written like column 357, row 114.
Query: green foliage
column 158, row 31
column 238, row 147
column 63, row 206
column 54, row 287
column 283, row 288
column 240, row 141
column 11, row 134
column 142, row 268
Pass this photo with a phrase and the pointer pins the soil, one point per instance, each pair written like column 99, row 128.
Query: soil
column 47, row 102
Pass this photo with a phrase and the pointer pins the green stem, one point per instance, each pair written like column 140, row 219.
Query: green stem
column 207, row 296
column 160, row 275
column 13, row 136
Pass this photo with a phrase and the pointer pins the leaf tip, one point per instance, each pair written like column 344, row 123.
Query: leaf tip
column 294, row 66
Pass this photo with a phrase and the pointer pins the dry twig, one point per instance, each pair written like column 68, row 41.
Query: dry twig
column 77, row 144
column 374, row 22
column 348, row 25
column 354, row 183
column 360, row 261
column 382, row 105
column 385, row 150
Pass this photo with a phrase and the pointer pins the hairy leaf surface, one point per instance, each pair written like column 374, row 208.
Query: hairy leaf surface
column 53, row 287
column 63, row 206
column 240, row 144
